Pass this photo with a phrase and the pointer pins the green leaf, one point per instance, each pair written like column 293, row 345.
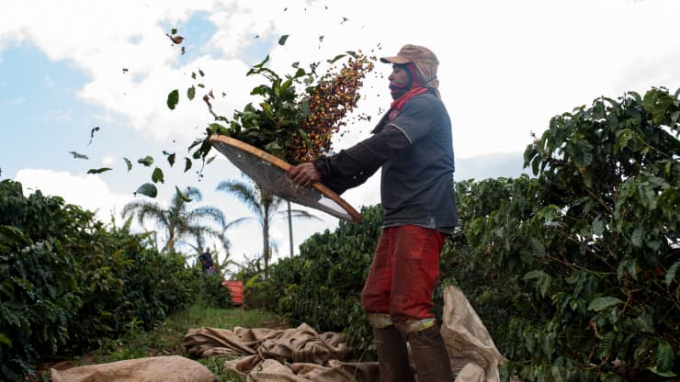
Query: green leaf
column 78, row 155
column 173, row 99
column 543, row 280
column 667, row 374
column 173, row 31
column 638, row 236
column 191, row 93
column 336, row 58
column 537, row 246
column 146, row 161
column 157, row 175
column 602, row 303
column 670, row 274
column 598, row 227
column 128, row 163
column 664, row 357
column 305, row 108
column 99, row 170
column 267, row 108
column 147, row 189
column 645, row 322
column 187, row 164
column 171, row 159
column 282, row 40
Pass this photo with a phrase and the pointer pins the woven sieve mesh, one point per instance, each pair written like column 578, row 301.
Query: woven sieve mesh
column 274, row 179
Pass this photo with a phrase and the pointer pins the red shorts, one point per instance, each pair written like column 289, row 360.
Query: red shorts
column 404, row 273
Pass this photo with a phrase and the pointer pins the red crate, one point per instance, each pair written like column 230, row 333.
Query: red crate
column 236, row 289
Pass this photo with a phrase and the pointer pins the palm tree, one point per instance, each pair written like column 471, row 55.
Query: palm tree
column 265, row 206
column 178, row 221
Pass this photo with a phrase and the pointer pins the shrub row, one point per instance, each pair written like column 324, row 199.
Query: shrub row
column 67, row 282
column 575, row 272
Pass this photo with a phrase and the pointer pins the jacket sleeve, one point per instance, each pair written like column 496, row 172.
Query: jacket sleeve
column 352, row 167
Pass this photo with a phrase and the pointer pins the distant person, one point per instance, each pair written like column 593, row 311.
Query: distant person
column 413, row 145
column 207, row 264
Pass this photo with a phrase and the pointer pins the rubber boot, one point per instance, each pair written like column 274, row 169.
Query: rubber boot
column 430, row 356
column 392, row 355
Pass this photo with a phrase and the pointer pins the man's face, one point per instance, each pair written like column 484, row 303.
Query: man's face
column 399, row 77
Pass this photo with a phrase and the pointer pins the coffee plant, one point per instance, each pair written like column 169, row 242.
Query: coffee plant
column 574, row 272
column 67, row 282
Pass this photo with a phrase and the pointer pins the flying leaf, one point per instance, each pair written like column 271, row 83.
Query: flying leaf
column 343, row 20
column 147, row 161
column 173, row 30
column 157, row 176
column 125, row 70
column 187, row 164
column 175, row 39
column 128, row 163
column 173, row 99
column 191, row 93
column 94, row 129
column 147, row 189
column 282, row 40
column 78, row 155
column 98, row 171
column 171, row 159
column 183, row 51
column 201, row 72
column 206, row 99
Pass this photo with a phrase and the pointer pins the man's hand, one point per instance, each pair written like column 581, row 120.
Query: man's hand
column 304, row 174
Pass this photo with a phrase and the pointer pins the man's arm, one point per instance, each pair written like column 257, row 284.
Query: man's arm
column 352, row 167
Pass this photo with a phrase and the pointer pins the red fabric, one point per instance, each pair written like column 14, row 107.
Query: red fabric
column 399, row 103
column 414, row 72
column 404, row 273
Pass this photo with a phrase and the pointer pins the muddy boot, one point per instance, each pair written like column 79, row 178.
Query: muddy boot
column 392, row 355
column 430, row 356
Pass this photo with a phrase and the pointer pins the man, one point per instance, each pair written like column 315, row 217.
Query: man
column 413, row 145
column 207, row 264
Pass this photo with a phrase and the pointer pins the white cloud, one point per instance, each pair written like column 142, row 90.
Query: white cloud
column 87, row 191
column 506, row 68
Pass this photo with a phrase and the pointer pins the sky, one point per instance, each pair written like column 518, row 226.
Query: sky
column 506, row 68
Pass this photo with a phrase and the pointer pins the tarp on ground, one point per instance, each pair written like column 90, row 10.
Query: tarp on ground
column 303, row 355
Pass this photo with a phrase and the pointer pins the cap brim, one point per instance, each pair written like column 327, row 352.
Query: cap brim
column 394, row 60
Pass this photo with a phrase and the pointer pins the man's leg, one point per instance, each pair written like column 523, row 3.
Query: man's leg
column 392, row 355
column 390, row 344
column 415, row 274
column 430, row 355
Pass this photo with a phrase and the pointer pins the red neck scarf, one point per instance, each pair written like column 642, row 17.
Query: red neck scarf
column 399, row 103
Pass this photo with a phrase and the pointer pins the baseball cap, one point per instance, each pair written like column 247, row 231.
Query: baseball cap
column 425, row 61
